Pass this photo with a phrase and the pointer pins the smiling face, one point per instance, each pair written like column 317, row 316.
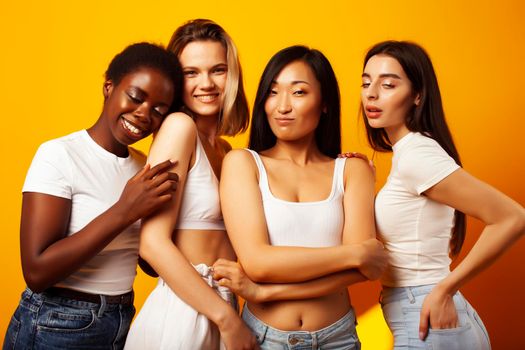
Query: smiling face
column 135, row 107
column 205, row 69
column 387, row 95
column 294, row 104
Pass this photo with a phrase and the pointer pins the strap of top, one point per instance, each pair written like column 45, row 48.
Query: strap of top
column 263, row 178
column 339, row 174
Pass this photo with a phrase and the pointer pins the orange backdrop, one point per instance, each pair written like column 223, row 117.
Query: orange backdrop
column 54, row 55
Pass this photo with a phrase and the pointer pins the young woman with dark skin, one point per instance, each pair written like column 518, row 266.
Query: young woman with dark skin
column 82, row 198
column 420, row 211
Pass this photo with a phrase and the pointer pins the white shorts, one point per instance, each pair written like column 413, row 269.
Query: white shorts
column 167, row 322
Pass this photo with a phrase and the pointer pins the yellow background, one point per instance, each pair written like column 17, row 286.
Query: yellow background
column 54, row 55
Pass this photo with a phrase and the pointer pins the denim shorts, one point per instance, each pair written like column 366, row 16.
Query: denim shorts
column 42, row 321
column 339, row 335
column 402, row 308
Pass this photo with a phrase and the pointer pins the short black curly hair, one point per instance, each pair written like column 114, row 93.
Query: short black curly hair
column 145, row 54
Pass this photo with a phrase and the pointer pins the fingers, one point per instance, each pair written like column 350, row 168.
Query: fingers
column 423, row 323
column 169, row 178
column 142, row 171
column 161, row 167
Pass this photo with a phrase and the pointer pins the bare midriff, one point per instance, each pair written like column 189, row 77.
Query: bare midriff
column 303, row 315
column 204, row 246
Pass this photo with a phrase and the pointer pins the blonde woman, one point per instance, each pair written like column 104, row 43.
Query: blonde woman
column 187, row 310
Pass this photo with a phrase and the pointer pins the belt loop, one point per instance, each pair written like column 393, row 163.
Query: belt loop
column 102, row 305
column 411, row 297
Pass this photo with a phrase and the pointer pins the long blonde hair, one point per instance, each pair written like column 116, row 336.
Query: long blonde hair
column 234, row 116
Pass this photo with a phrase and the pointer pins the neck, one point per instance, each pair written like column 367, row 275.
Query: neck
column 300, row 152
column 101, row 134
column 396, row 133
column 207, row 127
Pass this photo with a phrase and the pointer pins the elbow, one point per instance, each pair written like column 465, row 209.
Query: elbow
column 519, row 222
column 258, row 273
column 147, row 248
column 35, row 280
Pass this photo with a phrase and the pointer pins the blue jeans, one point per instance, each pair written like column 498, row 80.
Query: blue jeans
column 402, row 308
column 50, row 322
column 339, row 335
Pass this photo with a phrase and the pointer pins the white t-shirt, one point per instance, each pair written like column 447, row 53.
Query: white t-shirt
column 77, row 168
column 416, row 230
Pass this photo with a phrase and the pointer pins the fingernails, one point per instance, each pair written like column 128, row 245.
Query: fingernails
column 421, row 335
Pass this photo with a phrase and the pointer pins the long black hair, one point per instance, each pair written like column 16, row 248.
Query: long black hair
column 328, row 131
column 427, row 118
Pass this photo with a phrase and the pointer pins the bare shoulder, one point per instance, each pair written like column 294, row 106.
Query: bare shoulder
column 358, row 169
column 178, row 120
column 239, row 158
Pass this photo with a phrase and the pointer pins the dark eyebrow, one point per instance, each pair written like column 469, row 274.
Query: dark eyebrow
column 385, row 75
column 294, row 82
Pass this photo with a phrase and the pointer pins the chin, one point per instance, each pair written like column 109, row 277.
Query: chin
column 376, row 124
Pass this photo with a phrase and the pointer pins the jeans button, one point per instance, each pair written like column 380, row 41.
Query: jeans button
column 293, row 340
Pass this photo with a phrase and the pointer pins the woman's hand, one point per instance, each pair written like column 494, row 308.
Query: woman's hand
column 148, row 190
column 230, row 274
column 439, row 310
column 372, row 258
column 358, row 155
column 235, row 334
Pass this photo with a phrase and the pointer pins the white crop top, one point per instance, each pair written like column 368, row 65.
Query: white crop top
column 200, row 207
column 415, row 229
column 304, row 224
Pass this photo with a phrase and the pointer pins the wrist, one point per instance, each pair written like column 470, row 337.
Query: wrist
column 223, row 317
column 446, row 288
column 121, row 214
column 354, row 256
column 262, row 293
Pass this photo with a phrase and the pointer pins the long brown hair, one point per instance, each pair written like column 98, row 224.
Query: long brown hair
column 234, row 116
column 427, row 118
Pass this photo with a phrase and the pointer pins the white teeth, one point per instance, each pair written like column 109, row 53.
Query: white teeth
column 206, row 98
column 131, row 127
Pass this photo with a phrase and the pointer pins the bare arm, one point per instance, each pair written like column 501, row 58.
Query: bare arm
column 245, row 222
column 359, row 226
column 505, row 224
column 48, row 256
column 176, row 141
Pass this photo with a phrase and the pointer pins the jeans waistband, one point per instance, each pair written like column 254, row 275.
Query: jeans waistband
column 391, row 294
column 123, row 299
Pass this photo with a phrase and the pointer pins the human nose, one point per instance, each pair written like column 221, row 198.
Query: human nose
column 284, row 106
column 143, row 112
column 371, row 92
column 207, row 82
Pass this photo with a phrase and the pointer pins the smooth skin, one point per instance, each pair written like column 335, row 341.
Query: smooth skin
column 386, row 86
column 297, row 172
column 46, row 251
column 171, row 252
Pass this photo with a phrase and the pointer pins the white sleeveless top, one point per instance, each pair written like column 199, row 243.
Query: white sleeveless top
column 304, row 224
column 200, row 207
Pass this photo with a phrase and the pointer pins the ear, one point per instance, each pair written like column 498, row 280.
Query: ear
column 417, row 100
column 107, row 89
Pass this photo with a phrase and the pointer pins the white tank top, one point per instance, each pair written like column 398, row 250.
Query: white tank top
column 200, row 207
column 304, row 224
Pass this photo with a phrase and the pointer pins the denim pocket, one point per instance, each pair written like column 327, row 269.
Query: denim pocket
column 12, row 333
column 459, row 338
column 66, row 319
